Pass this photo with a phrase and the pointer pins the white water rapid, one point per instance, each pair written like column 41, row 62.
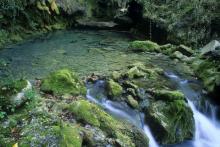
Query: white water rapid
column 207, row 132
column 121, row 111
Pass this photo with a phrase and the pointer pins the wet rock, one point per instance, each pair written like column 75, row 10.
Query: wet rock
column 208, row 71
column 95, row 24
column 123, row 133
column 144, row 46
column 211, row 47
column 132, row 102
column 114, row 89
column 95, row 137
column 173, row 119
column 63, row 82
column 180, row 56
column 134, row 72
column 129, row 84
column 131, row 91
column 187, row 51
column 116, row 75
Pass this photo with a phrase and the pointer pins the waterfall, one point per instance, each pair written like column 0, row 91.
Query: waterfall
column 119, row 110
column 207, row 130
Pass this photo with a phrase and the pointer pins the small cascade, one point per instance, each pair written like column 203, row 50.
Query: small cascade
column 207, row 127
column 96, row 94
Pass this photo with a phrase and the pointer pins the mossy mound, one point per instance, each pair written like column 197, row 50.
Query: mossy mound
column 63, row 82
column 168, row 95
column 113, row 88
column 143, row 46
column 85, row 112
column 125, row 134
column 170, row 115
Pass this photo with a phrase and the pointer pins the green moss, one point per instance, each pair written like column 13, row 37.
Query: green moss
column 85, row 112
column 121, row 131
column 7, row 91
column 174, row 120
column 168, row 95
column 208, row 71
column 144, row 46
column 132, row 102
column 63, row 82
column 114, row 89
column 134, row 72
column 69, row 136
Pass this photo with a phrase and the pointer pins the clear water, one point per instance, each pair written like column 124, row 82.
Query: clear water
column 101, row 52
column 85, row 52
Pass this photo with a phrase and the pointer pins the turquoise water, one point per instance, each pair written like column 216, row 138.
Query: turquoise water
column 85, row 52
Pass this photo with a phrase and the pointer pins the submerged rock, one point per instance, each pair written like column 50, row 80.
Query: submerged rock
column 63, row 82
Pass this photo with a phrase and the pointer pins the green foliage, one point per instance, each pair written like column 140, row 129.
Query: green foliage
column 187, row 20
column 7, row 90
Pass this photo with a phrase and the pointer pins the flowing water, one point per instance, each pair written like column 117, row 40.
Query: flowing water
column 207, row 131
column 101, row 52
column 96, row 94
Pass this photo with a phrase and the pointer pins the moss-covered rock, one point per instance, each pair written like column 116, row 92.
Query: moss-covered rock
column 208, row 70
column 167, row 95
column 171, row 116
column 85, row 112
column 134, row 72
column 144, row 46
column 114, row 89
column 8, row 94
column 69, row 135
column 63, row 82
column 132, row 102
column 123, row 133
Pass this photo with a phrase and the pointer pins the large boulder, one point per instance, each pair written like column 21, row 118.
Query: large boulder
column 211, row 50
column 170, row 117
column 122, row 132
column 211, row 47
column 63, row 82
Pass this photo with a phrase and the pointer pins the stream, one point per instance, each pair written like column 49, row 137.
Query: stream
column 101, row 52
column 207, row 127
